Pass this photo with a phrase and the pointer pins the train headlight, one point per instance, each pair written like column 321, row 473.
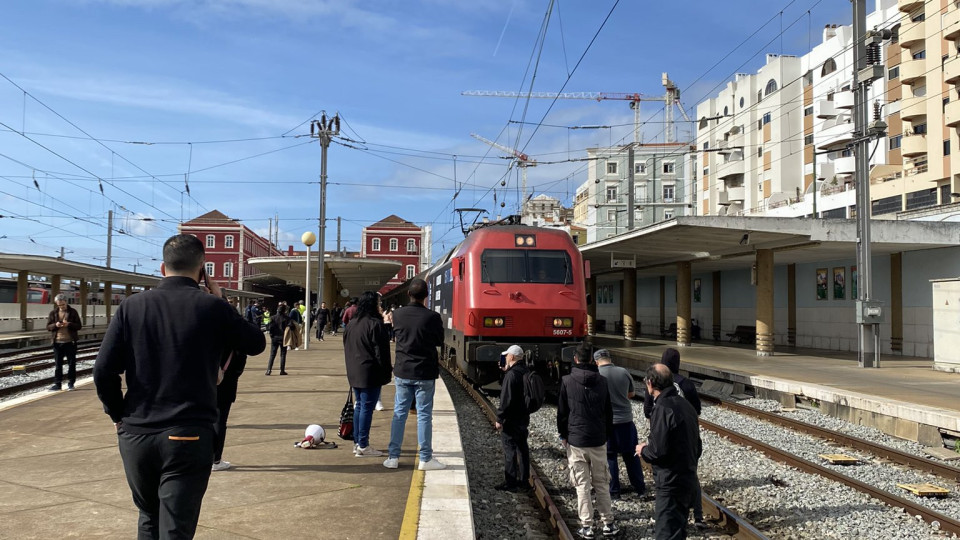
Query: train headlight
column 525, row 240
column 493, row 322
column 563, row 322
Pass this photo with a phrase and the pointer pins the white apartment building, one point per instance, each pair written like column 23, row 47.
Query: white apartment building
column 663, row 179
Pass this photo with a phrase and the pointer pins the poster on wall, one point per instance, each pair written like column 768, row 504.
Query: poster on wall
column 821, row 283
column 853, row 283
column 839, row 283
column 696, row 290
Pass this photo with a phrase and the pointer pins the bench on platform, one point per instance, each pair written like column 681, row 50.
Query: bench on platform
column 744, row 334
column 670, row 332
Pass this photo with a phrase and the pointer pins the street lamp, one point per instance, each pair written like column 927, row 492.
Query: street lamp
column 308, row 238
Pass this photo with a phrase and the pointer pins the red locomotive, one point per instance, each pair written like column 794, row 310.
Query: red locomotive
column 510, row 284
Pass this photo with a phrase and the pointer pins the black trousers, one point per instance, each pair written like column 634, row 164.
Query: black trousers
column 516, row 455
column 66, row 351
column 274, row 345
column 168, row 474
column 321, row 324
column 220, row 428
column 670, row 512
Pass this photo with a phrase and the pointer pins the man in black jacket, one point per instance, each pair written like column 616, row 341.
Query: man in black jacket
column 673, row 449
column 419, row 331
column 63, row 323
column 585, row 420
column 168, row 342
column 513, row 421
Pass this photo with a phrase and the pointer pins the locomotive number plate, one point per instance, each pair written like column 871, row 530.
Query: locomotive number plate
column 562, row 332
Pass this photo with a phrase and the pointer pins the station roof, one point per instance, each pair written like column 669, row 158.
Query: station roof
column 354, row 274
column 715, row 243
column 52, row 266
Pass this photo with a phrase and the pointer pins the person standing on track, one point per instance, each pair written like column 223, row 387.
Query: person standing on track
column 63, row 323
column 419, row 331
column 167, row 342
column 623, row 439
column 513, row 421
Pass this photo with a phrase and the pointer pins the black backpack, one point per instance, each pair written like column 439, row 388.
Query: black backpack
column 534, row 392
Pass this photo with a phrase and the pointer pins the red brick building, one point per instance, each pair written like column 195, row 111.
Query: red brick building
column 228, row 245
column 397, row 239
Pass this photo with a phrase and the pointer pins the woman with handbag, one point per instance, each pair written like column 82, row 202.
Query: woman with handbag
column 366, row 350
column 278, row 323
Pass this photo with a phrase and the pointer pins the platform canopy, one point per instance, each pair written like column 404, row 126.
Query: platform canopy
column 53, row 266
column 354, row 275
column 716, row 243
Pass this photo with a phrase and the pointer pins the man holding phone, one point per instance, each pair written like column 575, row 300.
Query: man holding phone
column 167, row 342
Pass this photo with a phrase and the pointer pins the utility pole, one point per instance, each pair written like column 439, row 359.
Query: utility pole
column 109, row 236
column 338, row 236
column 324, row 130
column 631, row 196
column 866, row 69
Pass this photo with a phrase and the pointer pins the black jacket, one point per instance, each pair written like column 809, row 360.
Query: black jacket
column 419, row 331
column 278, row 323
column 513, row 405
column 168, row 342
column 321, row 316
column 584, row 413
column 366, row 351
column 227, row 389
column 674, row 445
column 689, row 393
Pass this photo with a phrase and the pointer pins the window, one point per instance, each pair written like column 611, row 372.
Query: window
column 706, row 171
column 411, row 271
column 808, row 139
column 411, row 245
column 741, row 102
column 920, row 129
column 759, row 96
column 893, row 73
column 946, row 147
column 228, row 241
column 611, row 215
column 394, row 244
column 228, row 269
column 895, row 142
column 668, row 214
column 208, row 268
column 759, row 152
column 611, row 167
column 612, row 194
column 920, row 55
column 668, row 167
column 918, row 17
column 726, row 111
column 828, row 67
column 808, row 78
column 771, row 87
column 807, row 111
column 375, row 245
column 211, row 241
column 706, row 145
column 667, row 193
column 525, row 266
column 766, row 118
column 639, row 168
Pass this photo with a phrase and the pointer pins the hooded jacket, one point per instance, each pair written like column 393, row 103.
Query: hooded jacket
column 674, row 446
column 366, row 351
column 671, row 359
column 584, row 413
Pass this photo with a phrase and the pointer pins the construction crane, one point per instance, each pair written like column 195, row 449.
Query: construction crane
column 522, row 160
column 669, row 99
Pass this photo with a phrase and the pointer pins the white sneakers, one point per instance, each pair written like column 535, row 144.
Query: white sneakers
column 220, row 465
column 391, row 463
column 432, row 465
column 367, row 451
column 379, row 406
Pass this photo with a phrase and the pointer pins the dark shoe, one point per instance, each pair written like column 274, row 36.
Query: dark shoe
column 55, row 388
column 283, row 372
column 610, row 530
column 699, row 524
column 70, row 388
column 267, row 373
column 585, row 532
column 506, row 487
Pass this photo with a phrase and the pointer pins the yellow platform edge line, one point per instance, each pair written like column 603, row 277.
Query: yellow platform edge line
column 411, row 514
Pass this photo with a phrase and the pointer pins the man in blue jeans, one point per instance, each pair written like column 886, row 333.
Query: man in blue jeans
column 418, row 331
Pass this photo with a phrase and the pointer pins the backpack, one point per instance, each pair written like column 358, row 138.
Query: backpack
column 534, row 392
column 249, row 315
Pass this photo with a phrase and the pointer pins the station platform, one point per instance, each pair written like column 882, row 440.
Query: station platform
column 904, row 397
column 61, row 474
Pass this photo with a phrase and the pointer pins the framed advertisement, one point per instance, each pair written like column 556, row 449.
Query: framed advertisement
column 839, row 283
column 853, row 283
column 821, row 283
column 696, row 290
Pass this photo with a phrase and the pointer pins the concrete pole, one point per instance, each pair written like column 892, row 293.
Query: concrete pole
column 663, row 314
column 896, row 302
column 128, row 291
column 683, row 303
column 592, row 306
column 83, row 300
column 108, row 299
column 717, row 307
column 109, row 237
column 764, row 302
column 306, row 324
column 55, row 286
column 629, row 302
column 22, row 289
column 792, row 305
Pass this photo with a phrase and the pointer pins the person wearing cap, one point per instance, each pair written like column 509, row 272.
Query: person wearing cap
column 623, row 440
column 513, row 421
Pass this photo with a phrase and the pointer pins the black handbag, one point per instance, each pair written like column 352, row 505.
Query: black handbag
column 346, row 418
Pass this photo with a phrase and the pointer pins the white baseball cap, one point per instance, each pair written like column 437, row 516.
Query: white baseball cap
column 514, row 350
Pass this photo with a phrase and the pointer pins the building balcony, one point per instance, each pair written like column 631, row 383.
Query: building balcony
column 731, row 167
column 825, row 109
column 913, row 72
column 951, row 114
column 844, row 165
column 836, row 136
column 912, row 33
column 731, row 196
column 912, row 109
column 913, row 145
column 951, row 69
column 906, row 6
column 843, row 99
column 951, row 24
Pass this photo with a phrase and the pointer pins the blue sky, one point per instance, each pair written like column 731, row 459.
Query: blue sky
column 223, row 90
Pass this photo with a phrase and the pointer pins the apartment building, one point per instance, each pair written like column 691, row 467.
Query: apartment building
column 663, row 178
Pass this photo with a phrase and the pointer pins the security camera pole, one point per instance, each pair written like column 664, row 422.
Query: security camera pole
column 324, row 129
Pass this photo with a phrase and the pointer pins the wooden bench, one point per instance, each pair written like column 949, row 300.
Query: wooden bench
column 744, row 334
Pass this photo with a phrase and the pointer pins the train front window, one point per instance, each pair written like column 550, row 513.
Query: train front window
column 525, row 266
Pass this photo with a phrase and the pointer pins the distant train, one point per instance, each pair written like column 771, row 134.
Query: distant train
column 39, row 292
column 510, row 284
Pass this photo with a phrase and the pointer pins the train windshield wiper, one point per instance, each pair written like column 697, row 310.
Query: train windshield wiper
column 484, row 273
column 566, row 272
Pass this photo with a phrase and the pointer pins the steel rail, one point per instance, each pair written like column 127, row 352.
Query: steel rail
column 928, row 465
column 946, row 523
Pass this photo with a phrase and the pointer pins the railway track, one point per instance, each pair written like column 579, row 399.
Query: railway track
column 37, row 360
column 946, row 523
